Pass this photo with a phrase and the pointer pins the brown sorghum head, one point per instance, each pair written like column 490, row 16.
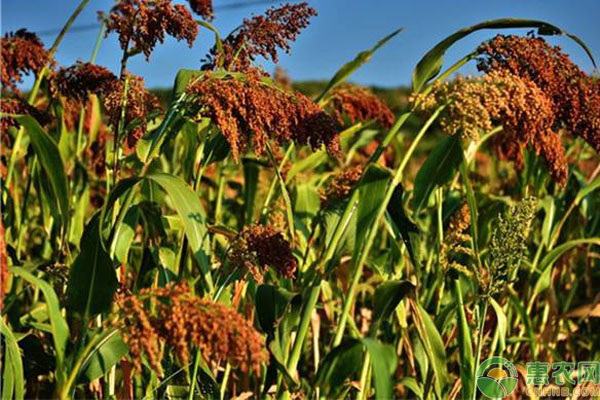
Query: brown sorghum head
column 359, row 104
column 257, row 247
column 140, row 24
column 341, row 184
column 261, row 35
column 15, row 105
column 453, row 246
column 138, row 332
column 181, row 320
column 139, row 104
column 203, row 8
column 501, row 98
column 22, row 53
column 248, row 110
column 81, row 79
column 573, row 95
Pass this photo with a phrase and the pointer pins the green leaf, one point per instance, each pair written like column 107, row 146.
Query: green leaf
column 501, row 325
column 465, row 346
column 108, row 354
column 543, row 282
column 384, row 360
column 12, row 379
column 216, row 149
column 124, row 236
column 431, row 64
column 318, row 157
column 439, row 167
column 50, row 161
column 271, row 304
column 92, row 280
column 218, row 41
column 338, row 365
column 409, row 231
column 371, row 193
column 187, row 204
column 412, row 384
column 595, row 184
column 348, row 69
column 60, row 329
column 434, row 347
column 182, row 79
column 387, row 297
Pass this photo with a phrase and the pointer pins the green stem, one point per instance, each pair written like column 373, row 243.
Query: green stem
column 36, row 88
column 482, row 312
column 265, row 206
column 194, row 375
column 303, row 328
column 223, row 388
column 365, row 378
column 95, row 343
column 358, row 265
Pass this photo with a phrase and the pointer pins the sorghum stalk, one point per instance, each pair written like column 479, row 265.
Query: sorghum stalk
column 36, row 87
column 357, row 273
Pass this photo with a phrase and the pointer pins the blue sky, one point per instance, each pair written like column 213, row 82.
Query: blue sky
column 342, row 29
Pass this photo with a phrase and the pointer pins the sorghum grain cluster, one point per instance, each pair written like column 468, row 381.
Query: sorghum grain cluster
column 248, row 110
column 258, row 247
column 261, row 35
column 140, row 24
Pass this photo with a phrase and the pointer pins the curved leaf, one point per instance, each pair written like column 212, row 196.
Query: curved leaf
column 433, row 345
column 438, row 168
column 343, row 361
column 58, row 324
column 387, row 297
column 187, row 204
column 371, row 192
column 108, row 354
column 51, row 162
column 348, row 69
column 543, row 282
column 384, row 360
column 409, row 231
column 92, row 280
column 431, row 64
column 12, row 378
column 271, row 304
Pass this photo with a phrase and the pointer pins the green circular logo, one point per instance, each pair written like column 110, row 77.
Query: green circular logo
column 497, row 377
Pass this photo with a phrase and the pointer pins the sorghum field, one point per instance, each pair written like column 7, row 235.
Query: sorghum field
column 241, row 239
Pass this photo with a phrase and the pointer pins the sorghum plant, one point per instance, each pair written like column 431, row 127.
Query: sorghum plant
column 251, row 238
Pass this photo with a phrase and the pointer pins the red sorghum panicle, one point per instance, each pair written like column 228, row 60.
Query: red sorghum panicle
column 260, row 246
column 138, row 105
column 140, row 24
column 455, row 238
column 359, row 104
column 248, row 110
column 573, row 95
column 15, row 105
column 180, row 320
column 22, row 53
column 138, row 332
column 261, row 35
column 80, row 79
column 203, row 8
column 522, row 108
column 341, row 184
